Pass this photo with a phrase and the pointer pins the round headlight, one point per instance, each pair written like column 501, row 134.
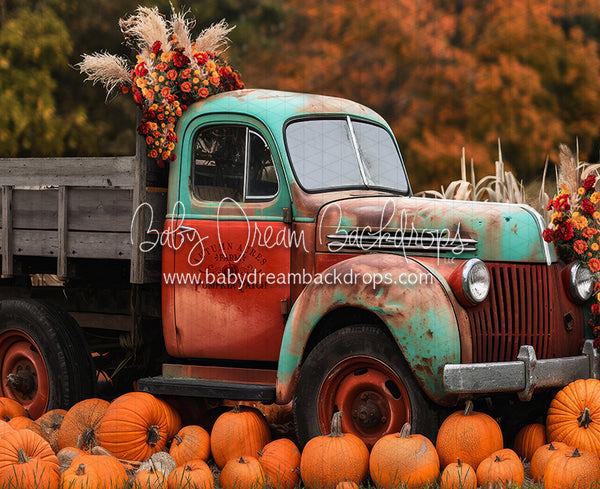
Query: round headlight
column 475, row 280
column 582, row 282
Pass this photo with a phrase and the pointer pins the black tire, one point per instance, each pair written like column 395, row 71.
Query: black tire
column 334, row 368
column 56, row 345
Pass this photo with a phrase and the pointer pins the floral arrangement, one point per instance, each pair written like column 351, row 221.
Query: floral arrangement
column 575, row 223
column 170, row 73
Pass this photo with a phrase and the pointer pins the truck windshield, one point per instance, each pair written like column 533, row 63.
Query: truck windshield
column 340, row 153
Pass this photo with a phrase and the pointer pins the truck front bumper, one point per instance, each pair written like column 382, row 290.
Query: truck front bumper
column 523, row 376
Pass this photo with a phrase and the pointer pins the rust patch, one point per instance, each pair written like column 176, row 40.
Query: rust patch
column 514, row 228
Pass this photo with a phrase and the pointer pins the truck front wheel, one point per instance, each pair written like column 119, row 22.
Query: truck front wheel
column 44, row 359
column 360, row 371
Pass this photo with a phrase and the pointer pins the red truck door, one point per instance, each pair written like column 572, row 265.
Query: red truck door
column 230, row 259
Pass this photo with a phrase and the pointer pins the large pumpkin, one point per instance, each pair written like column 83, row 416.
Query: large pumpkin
column 501, row 469
column 574, row 415
column 134, row 426
column 49, row 424
column 575, row 469
column 468, row 435
column 173, row 419
column 241, row 432
column 329, row 459
column 26, row 460
column 280, row 460
column 191, row 442
column 79, row 427
column 402, row 459
column 529, row 439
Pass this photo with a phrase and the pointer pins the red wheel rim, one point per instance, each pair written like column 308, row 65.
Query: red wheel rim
column 23, row 371
column 371, row 396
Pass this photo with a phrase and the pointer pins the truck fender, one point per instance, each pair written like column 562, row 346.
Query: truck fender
column 410, row 300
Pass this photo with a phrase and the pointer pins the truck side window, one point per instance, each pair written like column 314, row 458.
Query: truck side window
column 233, row 162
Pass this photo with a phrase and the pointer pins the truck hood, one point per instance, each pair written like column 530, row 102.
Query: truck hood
column 433, row 227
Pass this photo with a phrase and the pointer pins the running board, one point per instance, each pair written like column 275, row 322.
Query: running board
column 188, row 387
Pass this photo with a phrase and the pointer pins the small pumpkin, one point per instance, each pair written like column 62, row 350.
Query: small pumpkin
column 25, row 423
column 191, row 442
column 346, row 485
column 501, row 469
column 402, row 459
column 149, row 479
column 49, row 424
column 468, row 435
column 134, row 426
column 79, row 427
column 541, row 456
column 574, row 414
column 529, row 439
column 94, row 472
column 241, row 432
column 9, row 408
column 458, row 475
column 280, row 461
column 26, row 460
column 329, row 459
column 245, row 473
column 575, row 469
column 194, row 474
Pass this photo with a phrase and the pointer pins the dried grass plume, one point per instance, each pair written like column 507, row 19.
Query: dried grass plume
column 108, row 69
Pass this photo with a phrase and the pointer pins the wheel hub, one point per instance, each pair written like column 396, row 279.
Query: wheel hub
column 23, row 380
column 368, row 410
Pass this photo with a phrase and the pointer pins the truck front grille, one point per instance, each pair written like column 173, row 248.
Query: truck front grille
column 527, row 305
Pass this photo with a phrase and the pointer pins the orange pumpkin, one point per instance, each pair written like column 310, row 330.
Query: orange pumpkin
column 149, row 479
column 540, row 458
column 346, row 485
column 26, row 460
column 501, row 469
column 192, row 442
column 468, row 435
column 573, row 469
column 280, row 461
column 9, row 408
column 458, row 476
column 94, row 472
column 173, row 419
column 80, row 425
column 402, row 459
column 574, row 414
column 25, row 423
column 134, row 426
column 245, row 473
column 194, row 474
column 66, row 456
column 529, row 439
column 49, row 424
column 5, row 428
column 241, row 432
column 329, row 459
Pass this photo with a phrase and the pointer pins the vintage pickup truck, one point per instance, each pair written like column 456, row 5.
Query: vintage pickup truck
column 281, row 258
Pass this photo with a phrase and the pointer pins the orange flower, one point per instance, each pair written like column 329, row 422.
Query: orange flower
column 595, row 198
column 215, row 80
column 203, row 92
column 581, row 191
column 580, row 246
column 165, row 92
column 578, row 221
column 172, row 75
column 594, row 247
column 596, row 215
column 186, row 86
column 589, row 232
column 594, row 264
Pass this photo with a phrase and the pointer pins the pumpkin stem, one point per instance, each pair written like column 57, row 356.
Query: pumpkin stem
column 242, row 461
column 576, row 452
column 153, row 435
column 551, row 447
column 497, row 459
column 336, row 425
column 188, row 468
column 21, row 457
column 80, row 470
column 178, row 439
column 405, row 430
column 458, row 462
column 87, row 439
column 260, row 454
column 468, row 408
column 585, row 418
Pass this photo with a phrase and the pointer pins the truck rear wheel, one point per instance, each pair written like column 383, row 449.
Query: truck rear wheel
column 360, row 371
column 44, row 359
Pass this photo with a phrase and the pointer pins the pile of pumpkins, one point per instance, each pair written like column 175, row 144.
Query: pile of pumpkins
column 138, row 441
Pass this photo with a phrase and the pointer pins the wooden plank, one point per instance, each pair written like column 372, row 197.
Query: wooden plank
column 62, row 233
column 118, row 322
column 81, row 172
column 138, row 230
column 7, row 237
column 35, row 209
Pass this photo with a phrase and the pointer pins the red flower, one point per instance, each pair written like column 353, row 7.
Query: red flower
column 587, row 206
column 180, row 59
column 143, row 128
column 596, row 343
column 589, row 182
column 149, row 140
column 153, row 154
column 564, row 232
column 173, row 157
column 201, row 57
column 580, row 246
column 172, row 137
column 156, row 47
column 124, row 89
column 172, row 75
column 548, row 235
column 140, row 69
column 203, row 92
column 137, row 97
column 185, row 74
column 595, row 308
column 186, row 86
column 597, row 287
